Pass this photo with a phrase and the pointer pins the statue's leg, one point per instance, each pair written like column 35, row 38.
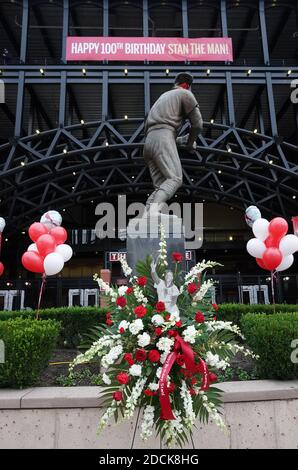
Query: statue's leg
column 164, row 165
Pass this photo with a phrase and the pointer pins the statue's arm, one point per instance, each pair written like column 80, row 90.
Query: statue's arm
column 196, row 126
column 154, row 273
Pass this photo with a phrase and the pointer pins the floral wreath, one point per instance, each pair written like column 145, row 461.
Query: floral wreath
column 153, row 360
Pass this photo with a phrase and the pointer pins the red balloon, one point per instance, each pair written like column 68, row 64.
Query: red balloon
column 32, row 261
column 272, row 257
column 60, row 234
column 1, row 268
column 272, row 242
column 36, row 230
column 46, row 244
column 278, row 228
column 260, row 262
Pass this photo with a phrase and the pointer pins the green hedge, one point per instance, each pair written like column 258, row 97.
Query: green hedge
column 75, row 321
column 234, row 312
column 271, row 337
column 28, row 346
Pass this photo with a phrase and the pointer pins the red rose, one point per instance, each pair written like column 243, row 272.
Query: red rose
column 192, row 287
column 153, row 355
column 122, row 330
column 140, row 355
column 213, row 377
column 172, row 333
column 193, row 381
column 214, row 318
column 129, row 291
column 142, row 281
column 108, row 315
column 177, row 257
column 109, row 322
column 200, row 318
column 160, row 306
column 122, row 378
column 215, row 306
column 192, row 391
column 128, row 358
column 140, row 311
column 180, row 360
column 171, row 388
column 200, row 368
column 148, row 393
column 121, row 301
column 158, row 331
column 117, row 396
column 178, row 324
column 167, row 317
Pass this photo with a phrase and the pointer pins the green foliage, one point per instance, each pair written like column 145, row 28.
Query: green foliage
column 234, row 312
column 28, row 348
column 77, row 378
column 270, row 336
column 75, row 321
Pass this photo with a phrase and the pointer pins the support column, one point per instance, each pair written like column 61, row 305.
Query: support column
column 65, row 29
column 20, row 104
column 24, row 34
column 264, row 37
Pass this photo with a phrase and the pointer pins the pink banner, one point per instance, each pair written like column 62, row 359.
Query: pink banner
column 153, row 49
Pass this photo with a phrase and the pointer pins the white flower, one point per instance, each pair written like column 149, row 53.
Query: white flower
column 190, row 334
column 125, row 268
column 122, row 290
column 112, row 356
column 143, row 340
column 187, row 405
column 123, row 324
column 158, row 372
column 223, row 325
column 148, row 422
column 135, row 370
column 163, row 357
column 106, row 379
column 132, row 399
column 165, row 344
column 157, row 320
column 203, row 290
column 153, row 386
column 139, row 295
column 136, row 326
column 214, row 360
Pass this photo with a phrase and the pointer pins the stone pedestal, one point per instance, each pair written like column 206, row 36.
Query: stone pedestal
column 143, row 237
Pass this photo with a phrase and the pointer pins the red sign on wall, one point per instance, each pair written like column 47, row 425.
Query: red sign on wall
column 153, row 49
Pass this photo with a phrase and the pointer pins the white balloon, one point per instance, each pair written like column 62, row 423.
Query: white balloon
column 288, row 245
column 260, row 229
column 255, row 247
column 2, row 224
column 51, row 219
column 65, row 251
column 32, row 247
column 286, row 263
column 252, row 214
column 53, row 264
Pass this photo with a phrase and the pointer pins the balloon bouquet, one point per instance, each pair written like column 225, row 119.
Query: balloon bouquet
column 272, row 247
column 2, row 227
column 48, row 252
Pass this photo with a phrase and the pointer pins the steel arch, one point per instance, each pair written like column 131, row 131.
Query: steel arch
column 62, row 167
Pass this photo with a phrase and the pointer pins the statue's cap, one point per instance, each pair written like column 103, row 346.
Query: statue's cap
column 183, row 77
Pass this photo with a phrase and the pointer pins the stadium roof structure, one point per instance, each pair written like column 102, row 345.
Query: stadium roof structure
column 72, row 133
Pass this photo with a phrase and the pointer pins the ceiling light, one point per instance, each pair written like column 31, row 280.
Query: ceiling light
column 41, row 71
column 84, row 71
column 248, row 72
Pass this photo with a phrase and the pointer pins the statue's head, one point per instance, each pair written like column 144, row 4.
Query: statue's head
column 169, row 278
column 183, row 79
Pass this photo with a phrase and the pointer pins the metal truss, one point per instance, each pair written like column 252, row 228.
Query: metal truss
column 93, row 162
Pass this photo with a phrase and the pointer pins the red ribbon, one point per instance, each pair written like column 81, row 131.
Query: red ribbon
column 189, row 359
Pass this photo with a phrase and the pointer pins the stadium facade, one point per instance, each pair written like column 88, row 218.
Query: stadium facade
column 71, row 133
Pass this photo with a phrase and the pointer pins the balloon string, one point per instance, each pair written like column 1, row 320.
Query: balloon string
column 0, row 242
column 42, row 288
column 272, row 290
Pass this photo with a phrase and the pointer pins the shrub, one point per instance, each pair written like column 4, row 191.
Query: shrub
column 234, row 312
column 75, row 321
column 28, row 347
column 270, row 336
